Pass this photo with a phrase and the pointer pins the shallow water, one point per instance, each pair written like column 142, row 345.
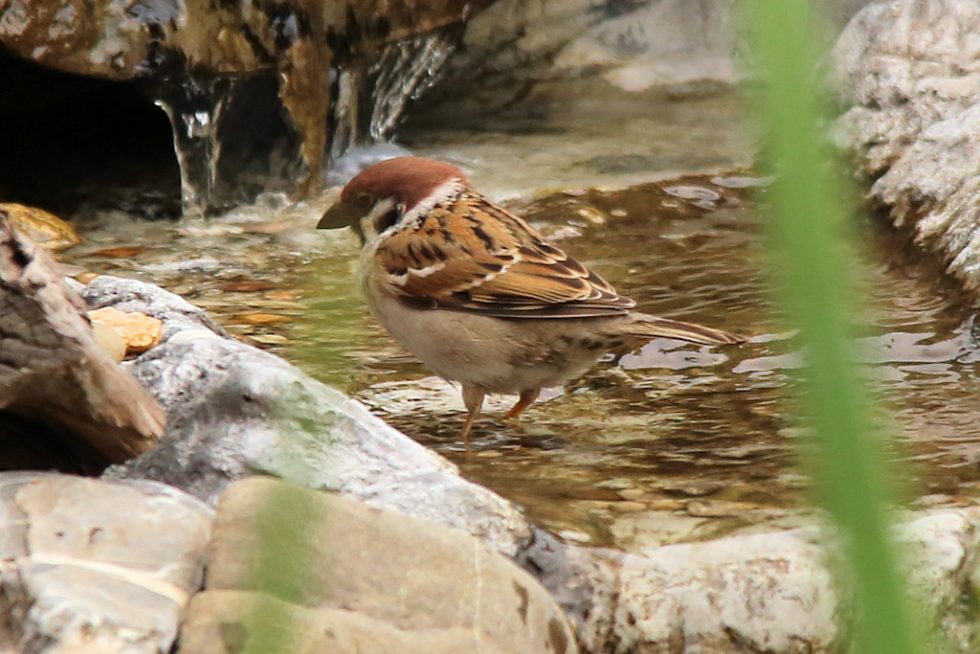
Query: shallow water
column 671, row 442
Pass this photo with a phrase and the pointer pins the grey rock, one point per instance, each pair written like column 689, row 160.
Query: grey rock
column 908, row 73
column 233, row 410
column 132, row 295
column 369, row 581
column 680, row 46
column 754, row 593
column 941, row 550
column 94, row 566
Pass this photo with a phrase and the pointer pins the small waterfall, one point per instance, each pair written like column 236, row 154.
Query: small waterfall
column 404, row 72
column 195, row 109
column 370, row 96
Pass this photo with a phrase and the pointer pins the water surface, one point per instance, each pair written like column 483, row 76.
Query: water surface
column 671, row 442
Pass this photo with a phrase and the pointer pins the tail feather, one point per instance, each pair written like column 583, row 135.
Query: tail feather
column 646, row 326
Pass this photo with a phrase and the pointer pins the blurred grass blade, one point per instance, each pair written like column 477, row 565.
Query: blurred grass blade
column 809, row 237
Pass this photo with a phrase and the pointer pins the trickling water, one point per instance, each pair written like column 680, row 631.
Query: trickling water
column 404, row 71
column 195, row 109
column 371, row 97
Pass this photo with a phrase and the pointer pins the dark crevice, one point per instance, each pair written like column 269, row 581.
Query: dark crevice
column 64, row 137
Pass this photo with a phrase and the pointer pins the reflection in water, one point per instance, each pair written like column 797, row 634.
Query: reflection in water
column 701, row 433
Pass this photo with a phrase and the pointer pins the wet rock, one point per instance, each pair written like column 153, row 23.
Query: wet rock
column 94, row 566
column 132, row 296
column 46, row 229
column 234, row 410
column 196, row 57
column 908, row 73
column 754, row 591
column 757, row 593
column 371, row 581
column 942, row 554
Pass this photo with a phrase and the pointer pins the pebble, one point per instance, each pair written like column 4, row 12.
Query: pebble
column 139, row 331
column 594, row 216
column 699, row 193
column 736, row 181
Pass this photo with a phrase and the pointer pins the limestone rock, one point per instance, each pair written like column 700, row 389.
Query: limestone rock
column 234, row 410
column 133, row 296
column 517, row 49
column 93, row 566
column 757, row 590
column 755, row 593
column 360, row 579
column 908, row 74
column 942, row 557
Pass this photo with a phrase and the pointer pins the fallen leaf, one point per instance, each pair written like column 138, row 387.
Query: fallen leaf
column 262, row 318
column 247, row 286
column 121, row 251
column 281, row 295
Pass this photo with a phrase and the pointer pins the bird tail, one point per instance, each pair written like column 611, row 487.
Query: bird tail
column 647, row 327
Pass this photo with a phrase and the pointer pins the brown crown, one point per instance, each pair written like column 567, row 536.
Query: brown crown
column 407, row 179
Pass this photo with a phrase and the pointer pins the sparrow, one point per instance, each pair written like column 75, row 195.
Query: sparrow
column 477, row 294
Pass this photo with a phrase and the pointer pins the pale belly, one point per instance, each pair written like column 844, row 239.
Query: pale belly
column 500, row 356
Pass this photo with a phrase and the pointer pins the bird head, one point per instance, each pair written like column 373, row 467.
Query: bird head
column 378, row 199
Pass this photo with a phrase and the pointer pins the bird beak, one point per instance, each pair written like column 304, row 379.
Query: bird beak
column 341, row 214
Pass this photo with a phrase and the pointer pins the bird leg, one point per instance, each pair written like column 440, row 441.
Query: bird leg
column 473, row 399
column 527, row 398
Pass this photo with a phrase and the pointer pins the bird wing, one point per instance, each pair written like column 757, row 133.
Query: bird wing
column 468, row 254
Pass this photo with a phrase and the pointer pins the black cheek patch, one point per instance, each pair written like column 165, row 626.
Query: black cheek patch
column 386, row 220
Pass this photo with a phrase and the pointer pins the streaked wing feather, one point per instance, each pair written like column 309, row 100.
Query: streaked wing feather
column 471, row 255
